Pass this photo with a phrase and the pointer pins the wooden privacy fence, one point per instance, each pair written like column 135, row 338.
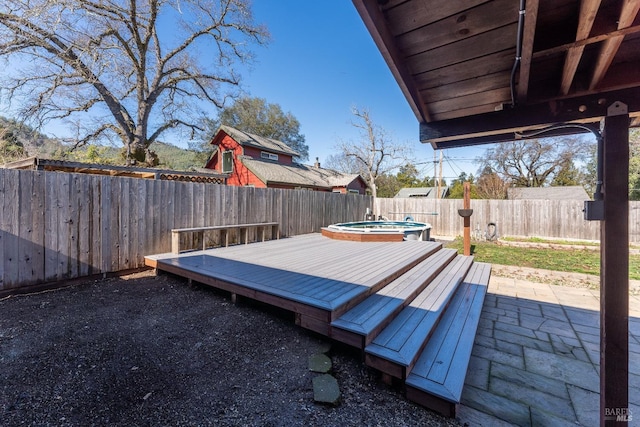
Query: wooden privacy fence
column 540, row 218
column 58, row 226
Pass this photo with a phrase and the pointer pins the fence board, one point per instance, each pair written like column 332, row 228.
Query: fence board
column 25, row 244
column 10, row 225
column 95, row 246
column 151, row 220
column 105, row 222
column 134, row 216
column 140, row 201
column 125, row 220
column 62, row 242
column 37, row 229
column 85, row 199
column 106, row 211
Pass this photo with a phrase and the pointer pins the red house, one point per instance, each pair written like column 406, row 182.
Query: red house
column 251, row 160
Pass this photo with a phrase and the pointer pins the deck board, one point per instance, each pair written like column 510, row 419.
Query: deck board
column 308, row 269
column 373, row 312
column 397, row 347
column 322, row 260
column 442, row 367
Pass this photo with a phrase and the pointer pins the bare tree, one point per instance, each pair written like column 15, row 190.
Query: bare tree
column 375, row 152
column 490, row 186
column 532, row 163
column 129, row 69
column 343, row 163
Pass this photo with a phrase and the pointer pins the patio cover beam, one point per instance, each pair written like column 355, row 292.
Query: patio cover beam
column 501, row 126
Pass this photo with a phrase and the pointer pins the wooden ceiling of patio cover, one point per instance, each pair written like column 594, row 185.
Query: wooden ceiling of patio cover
column 453, row 60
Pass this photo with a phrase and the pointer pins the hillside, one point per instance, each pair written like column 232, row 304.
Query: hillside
column 19, row 141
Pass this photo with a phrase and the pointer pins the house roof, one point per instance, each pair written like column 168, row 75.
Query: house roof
column 476, row 72
column 270, row 172
column 245, row 138
column 573, row 192
column 424, row 192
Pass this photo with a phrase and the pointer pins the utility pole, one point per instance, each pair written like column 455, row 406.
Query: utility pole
column 439, row 186
column 435, row 162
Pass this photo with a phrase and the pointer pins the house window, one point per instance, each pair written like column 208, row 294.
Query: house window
column 268, row 156
column 227, row 161
column 352, row 191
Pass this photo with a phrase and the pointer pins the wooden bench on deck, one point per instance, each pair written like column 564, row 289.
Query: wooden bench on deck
column 437, row 378
column 243, row 230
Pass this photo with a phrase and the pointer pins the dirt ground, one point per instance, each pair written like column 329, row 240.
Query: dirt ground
column 153, row 351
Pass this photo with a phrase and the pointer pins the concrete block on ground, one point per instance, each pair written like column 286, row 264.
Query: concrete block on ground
column 326, row 390
column 498, row 356
column 496, row 406
column 586, row 405
column 523, row 378
column 563, row 368
column 319, row 363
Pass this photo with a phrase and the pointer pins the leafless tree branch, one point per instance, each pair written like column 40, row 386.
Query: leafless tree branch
column 97, row 56
column 375, row 152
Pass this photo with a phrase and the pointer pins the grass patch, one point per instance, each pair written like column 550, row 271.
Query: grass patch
column 556, row 241
column 574, row 261
column 549, row 241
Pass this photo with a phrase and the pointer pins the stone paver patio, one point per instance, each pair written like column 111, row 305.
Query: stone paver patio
column 536, row 357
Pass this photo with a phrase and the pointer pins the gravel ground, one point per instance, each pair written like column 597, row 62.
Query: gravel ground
column 151, row 351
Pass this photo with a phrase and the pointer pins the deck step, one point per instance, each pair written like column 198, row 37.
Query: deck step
column 397, row 347
column 359, row 326
column 437, row 378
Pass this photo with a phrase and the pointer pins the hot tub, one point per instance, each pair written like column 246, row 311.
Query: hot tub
column 379, row 231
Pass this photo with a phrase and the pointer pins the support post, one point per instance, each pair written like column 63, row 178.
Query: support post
column 466, row 203
column 614, row 270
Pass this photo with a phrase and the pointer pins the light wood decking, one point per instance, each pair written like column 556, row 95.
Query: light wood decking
column 373, row 295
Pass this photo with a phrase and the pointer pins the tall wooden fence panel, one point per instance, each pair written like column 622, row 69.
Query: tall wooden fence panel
column 540, row 218
column 58, row 226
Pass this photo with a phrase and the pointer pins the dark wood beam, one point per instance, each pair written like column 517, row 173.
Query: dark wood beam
column 611, row 45
column 502, row 125
column 528, row 36
column 588, row 12
column 504, row 137
column 591, row 40
column 614, row 269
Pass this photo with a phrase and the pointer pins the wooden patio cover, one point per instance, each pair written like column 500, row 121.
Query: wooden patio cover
column 485, row 71
column 453, row 60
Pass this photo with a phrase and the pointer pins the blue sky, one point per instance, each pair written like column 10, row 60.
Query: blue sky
column 320, row 62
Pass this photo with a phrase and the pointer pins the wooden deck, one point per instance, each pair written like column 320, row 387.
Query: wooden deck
column 365, row 294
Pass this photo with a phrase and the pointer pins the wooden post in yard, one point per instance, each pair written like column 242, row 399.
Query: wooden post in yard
column 466, row 203
column 614, row 270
